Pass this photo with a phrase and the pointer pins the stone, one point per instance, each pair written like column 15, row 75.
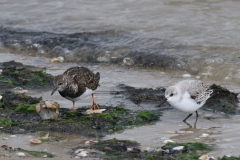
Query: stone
column 48, row 109
column 178, row 148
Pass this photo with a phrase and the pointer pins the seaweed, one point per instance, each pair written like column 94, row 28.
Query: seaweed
column 25, row 76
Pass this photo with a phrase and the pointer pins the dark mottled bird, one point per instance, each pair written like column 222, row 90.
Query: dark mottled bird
column 76, row 83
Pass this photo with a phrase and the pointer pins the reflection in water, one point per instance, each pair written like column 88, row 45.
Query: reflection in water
column 190, row 126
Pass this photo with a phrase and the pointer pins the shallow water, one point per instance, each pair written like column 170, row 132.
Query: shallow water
column 223, row 131
column 164, row 40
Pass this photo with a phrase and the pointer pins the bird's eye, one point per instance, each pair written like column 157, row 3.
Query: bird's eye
column 171, row 94
column 59, row 84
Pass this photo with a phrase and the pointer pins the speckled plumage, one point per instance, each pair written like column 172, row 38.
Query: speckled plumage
column 74, row 83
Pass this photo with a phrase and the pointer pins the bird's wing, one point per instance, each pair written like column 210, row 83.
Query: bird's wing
column 197, row 90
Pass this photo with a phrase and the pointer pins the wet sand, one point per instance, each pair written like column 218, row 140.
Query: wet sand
column 223, row 131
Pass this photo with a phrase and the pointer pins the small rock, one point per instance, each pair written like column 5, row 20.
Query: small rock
column 203, row 157
column 76, row 157
column 178, row 148
column 186, row 75
column 87, row 142
column 23, row 91
column 47, row 109
column 78, row 151
column 1, row 127
column 128, row 61
column 129, row 149
column 171, row 132
column 198, row 77
column 1, row 71
column 166, row 141
column 13, row 136
column 4, row 146
column 4, row 138
column 82, row 154
column 204, row 135
column 189, row 132
column 0, row 97
column 21, row 154
column 57, row 60
column 44, row 156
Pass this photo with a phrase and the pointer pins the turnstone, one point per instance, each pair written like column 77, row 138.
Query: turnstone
column 187, row 96
column 76, row 83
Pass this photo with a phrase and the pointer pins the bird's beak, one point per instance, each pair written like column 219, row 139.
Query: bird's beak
column 163, row 101
column 55, row 88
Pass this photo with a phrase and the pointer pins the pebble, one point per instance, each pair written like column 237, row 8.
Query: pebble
column 178, row 148
column 204, row 135
column 82, row 154
column 128, row 61
column 21, row 154
column 78, row 151
column 44, row 156
column 87, row 142
column 186, row 75
column 181, row 132
column 4, row 138
column 13, row 136
column 0, row 97
column 189, row 132
column 1, row 127
column 166, row 141
column 58, row 59
column 171, row 132
column 129, row 149
column 76, row 157
column 1, row 71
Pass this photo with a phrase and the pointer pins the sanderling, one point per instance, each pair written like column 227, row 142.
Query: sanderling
column 187, row 96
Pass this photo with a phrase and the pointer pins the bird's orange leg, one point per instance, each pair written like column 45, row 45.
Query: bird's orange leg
column 94, row 103
column 74, row 110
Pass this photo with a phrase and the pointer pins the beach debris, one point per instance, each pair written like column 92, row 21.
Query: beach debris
column 13, row 136
column 128, row 61
column 204, row 135
column 35, row 141
column 21, row 154
column 23, row 91
column 48, row 109
column 168, row 140
column 57, row 60
column 186, row 75
column 206, row 157
column 171, row 132
column 90, row 111
column 44, row 138
column 178, row 148
column 4, row 138
column 82, row 154
column 4, row 146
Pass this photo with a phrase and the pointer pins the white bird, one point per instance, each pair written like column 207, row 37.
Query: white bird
column 187, row 96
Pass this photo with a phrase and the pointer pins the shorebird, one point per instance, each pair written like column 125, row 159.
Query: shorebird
column 76, row 83
column 187, row 96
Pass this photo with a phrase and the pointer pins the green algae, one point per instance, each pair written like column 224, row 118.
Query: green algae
column 38, row 154
column 5, row 122
column 25, row 108
column 25, row 76
column 229, row 158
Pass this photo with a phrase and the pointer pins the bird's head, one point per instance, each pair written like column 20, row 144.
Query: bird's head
column 60, row 83
column 171, row 94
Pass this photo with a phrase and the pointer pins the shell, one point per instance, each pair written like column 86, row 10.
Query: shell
column 48, row 109
column 35, row 141
column 90, row 111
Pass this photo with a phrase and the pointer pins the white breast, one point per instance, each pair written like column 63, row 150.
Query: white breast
column 186, row 104
column 85, row 94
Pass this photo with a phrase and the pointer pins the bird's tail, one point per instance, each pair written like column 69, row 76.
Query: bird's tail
column 97, row 76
